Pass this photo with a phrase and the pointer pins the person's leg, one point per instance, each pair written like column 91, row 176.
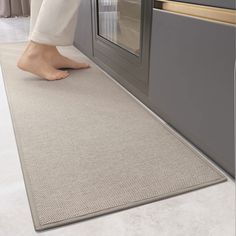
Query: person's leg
column 34, row 53
column 56, row 22
column 52, row 23
column 35, row 6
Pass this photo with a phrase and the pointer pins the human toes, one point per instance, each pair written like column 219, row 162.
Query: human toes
column 58, row 74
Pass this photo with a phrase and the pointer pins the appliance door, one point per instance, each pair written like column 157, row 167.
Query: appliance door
column 121, row 39
column 119, row 21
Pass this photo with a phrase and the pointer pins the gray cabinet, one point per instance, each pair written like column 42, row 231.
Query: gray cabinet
column 116, row 35
column 121, row 41
column 191, row 82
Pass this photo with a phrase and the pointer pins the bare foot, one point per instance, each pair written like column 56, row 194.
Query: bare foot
column 36, row 60
column 60, row 61
column 45, row 61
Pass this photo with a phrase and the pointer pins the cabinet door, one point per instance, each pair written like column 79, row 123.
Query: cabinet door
column 192, row 81
column 121, row 39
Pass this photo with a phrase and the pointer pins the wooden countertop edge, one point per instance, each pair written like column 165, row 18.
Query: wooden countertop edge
column 200, row 11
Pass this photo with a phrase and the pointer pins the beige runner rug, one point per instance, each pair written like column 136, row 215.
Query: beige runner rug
column 88, row 148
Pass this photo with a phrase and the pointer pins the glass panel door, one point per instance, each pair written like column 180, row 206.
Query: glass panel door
column 119, row 21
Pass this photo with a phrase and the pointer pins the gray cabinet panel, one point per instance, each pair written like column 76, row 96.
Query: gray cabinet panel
column 215, row 3
column 191, row 82
column 83, row 35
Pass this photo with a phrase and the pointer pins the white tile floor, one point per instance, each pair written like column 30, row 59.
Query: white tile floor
column 206, row 212
column 14, row 29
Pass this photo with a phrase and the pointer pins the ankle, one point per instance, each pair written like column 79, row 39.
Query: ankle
column 41, row 46
column 35, row 48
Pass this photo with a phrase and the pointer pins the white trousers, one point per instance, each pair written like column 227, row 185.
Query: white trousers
column 53, row 22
